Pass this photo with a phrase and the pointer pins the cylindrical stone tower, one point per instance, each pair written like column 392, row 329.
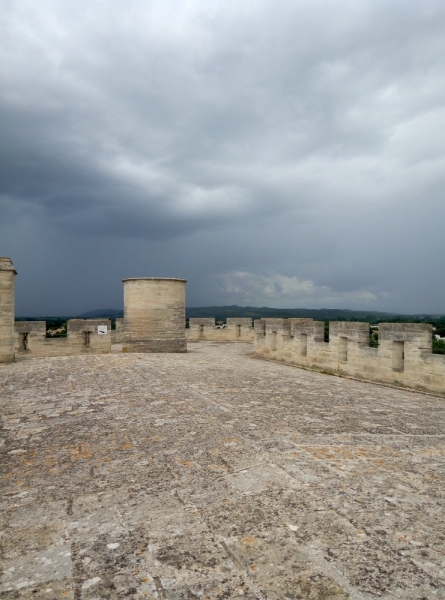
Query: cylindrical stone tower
column 154, row 315
column 7, row 275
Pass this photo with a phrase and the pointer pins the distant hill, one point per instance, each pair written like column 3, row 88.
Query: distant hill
column 221, row 313
column 102, row 312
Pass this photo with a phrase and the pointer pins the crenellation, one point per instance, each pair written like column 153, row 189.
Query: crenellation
column 404, row 356
column 239, row 329
column 235, row 330
column 29, row 336
column 83, row 337
column 200, row 329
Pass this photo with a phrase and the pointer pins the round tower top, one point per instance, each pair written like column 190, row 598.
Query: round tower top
column 154, row 279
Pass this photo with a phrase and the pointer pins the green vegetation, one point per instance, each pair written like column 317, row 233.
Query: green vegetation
column 438, row 346
column 373, row 338
column 56, row 328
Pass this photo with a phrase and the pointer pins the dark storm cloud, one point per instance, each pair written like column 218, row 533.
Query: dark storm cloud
column 282, row 154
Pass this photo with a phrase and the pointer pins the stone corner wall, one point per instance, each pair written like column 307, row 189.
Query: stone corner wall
column 7, row 304
column 404, row 356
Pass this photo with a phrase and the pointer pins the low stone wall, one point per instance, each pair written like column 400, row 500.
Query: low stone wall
column 205, row 330
column 83, row 337
column 404, row 356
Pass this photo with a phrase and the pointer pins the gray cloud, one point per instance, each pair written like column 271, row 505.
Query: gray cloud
column 288, row 154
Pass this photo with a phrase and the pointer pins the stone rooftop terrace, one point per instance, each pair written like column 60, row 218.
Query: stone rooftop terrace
column 215, row 475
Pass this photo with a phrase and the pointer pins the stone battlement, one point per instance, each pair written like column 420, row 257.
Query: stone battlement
column 235, row 330
column 404, row 356
column 84, row 336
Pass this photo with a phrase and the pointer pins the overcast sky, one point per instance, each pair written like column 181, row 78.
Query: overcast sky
column 284, row 153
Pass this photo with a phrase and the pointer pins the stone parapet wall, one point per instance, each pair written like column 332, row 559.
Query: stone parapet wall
column 404, row 356
column 235, row 330
column 82, row 338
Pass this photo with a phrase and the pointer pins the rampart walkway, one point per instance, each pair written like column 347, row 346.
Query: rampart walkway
column 215, row 475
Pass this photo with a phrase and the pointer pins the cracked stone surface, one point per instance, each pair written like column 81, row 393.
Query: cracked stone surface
column 216, row 475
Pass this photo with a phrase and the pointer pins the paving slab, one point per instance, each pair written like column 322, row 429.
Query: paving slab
column 216, row 475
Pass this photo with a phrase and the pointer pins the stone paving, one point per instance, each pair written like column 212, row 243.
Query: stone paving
column 215, row 475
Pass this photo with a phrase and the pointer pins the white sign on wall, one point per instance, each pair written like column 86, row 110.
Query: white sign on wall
column 102, row 329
